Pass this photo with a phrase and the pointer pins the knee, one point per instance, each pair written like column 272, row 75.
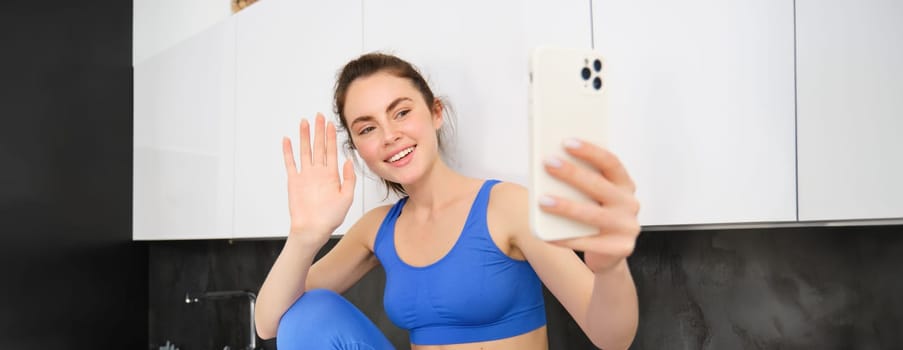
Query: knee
column 311, row 308
column 306, row 320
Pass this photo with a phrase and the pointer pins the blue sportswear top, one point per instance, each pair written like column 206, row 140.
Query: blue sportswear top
column 474, row 293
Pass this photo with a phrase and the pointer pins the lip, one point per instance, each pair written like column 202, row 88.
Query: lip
column 398, row 150
column 405, row 160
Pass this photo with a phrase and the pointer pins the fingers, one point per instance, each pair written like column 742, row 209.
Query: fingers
column 593, row 184
column 608, row 220
column 319, row 148
column 323, row 151
column 305, row 144
column 610, row 245
column 603, row 160
column 288, row 157
column 349, row 178
column 331, row 151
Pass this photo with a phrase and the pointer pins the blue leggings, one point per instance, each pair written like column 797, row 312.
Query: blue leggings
column 322, row 319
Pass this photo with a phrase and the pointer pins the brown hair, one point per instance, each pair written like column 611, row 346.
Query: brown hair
column 372, row 63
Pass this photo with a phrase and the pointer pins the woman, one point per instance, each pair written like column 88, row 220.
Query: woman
column 463, row 270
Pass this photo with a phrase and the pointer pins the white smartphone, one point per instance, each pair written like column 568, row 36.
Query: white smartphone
column 567, row 100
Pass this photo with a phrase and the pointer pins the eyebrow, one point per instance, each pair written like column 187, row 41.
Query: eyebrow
column 389, row 108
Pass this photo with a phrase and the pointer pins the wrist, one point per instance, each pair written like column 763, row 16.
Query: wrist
column 311, row 230
column 307, row 240
column 616, row 268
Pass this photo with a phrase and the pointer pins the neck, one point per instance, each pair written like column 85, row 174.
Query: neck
column 438, row 187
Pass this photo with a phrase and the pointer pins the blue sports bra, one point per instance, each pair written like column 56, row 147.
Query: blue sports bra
column 474, row 293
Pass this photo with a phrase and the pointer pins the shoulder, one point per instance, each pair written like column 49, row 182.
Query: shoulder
column 508, row 196
column 376, row 214
column 509, row 201
column 365, row 229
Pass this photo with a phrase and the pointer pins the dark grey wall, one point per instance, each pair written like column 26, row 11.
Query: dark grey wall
column 177, row 268
column 805, row 288
column 180, row 267
column 72, row 278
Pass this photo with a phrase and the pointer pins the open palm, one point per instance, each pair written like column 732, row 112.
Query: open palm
column 318, row 198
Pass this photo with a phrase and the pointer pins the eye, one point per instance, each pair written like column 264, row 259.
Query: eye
column 366, row 130
column 402, row 113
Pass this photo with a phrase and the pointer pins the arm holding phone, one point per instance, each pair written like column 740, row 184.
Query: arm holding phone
column 581, row 198
column 599, row 292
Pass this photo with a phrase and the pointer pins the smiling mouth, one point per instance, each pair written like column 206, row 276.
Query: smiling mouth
column 400, row 155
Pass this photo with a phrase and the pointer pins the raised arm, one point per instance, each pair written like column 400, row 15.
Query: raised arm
column 318, row 202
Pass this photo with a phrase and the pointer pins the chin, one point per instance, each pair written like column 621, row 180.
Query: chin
column 402, row 180
column 407, row 177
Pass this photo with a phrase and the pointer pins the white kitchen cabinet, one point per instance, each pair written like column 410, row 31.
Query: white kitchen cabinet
column 183, row 139
column 850, row 114
column 157, row 25
column 701, row 104
column 475, row 54
column 288, row 54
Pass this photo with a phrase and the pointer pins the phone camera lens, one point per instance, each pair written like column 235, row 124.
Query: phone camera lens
column 585, row 73
column 597, row 83
column 597, row 64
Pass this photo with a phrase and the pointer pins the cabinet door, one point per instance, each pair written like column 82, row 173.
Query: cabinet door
column 701, row 101
column 475, row 54
column 157, row 25
column 183, row 126
column 288, row 53
column 850, row 111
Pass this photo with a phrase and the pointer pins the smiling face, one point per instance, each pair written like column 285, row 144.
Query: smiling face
column 392, row 127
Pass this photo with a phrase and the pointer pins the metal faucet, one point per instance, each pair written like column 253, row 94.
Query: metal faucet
column 231, row 294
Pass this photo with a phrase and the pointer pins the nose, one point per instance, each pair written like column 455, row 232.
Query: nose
column 391, row 135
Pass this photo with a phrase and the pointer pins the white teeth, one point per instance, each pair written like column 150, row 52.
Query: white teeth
column 401, row 154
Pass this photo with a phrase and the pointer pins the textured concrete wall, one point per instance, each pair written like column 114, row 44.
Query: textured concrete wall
column 825, row 288
column 807, row 288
